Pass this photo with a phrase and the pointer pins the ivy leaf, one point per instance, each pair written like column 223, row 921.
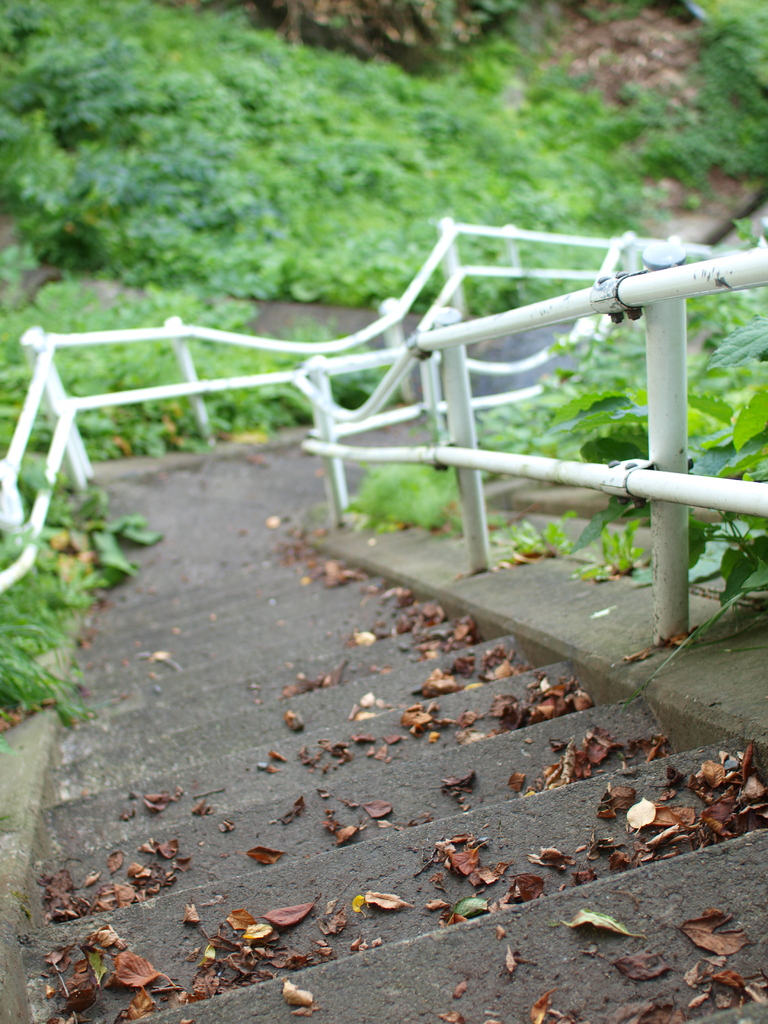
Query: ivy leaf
column 745, row 345
column 470, row 906
column 752, row 420
column 609, row 924
column 711, row 406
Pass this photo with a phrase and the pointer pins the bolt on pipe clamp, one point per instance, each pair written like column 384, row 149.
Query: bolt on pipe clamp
column 616, row 480
column 604, row 297
column 412, row 344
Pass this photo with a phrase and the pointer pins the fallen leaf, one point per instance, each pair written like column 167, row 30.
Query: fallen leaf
column 257, row 934
column 191, row 915
column 641, row 814
column 516, row 781
column 140, row 1006
column 92, row 879
column 169, row 849
column 286, row 917
column 436, row 905
column 509, row 960
column 264, row 855
column 115, row 861
column 377, row 808
column 201, row 808
column 551, row 857
column 701, row 931
column 295, row 996
column 460, row 989
column 344, row 834
column 157, row 802
column 363, row 638
column 133, row 970
column 714, row 773
column 239, row 920
column 730, row 978
column 452, row 1017
column 293, row 720
column 600, row 921
column 525, row 888
column 385, row 900
column 470, row 906
column 298, row 808
column 642, row 966
column 540, row 1007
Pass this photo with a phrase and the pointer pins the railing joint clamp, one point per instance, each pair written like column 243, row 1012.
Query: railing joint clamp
column 412, row 344
column 617, row 480
column 604, row 297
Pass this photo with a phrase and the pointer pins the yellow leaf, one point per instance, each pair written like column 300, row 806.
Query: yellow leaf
column 358, row 903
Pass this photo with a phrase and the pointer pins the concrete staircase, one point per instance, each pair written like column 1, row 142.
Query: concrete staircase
column 205, row 762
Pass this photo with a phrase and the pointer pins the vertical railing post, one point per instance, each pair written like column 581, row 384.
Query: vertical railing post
column 79, row 465
column 668, row 445
column 335, row 478
column 395, row 338
column 452, row 263
column 189, row 373
column 461, row 428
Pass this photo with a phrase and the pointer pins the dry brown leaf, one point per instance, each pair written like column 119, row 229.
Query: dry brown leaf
column 452, row 1017
column 239, row 920
column 141, row 1005
column 286, row 917
column 436, row 905
column 460, row 989
column 516, row 781
column 385, row 900
column 191, row 915
column 509, row 960
column 115, row 861
column 713, row 773
column 377, row 808
column 295, row 996
column 540, row 1007
column 133, row 970
column 641, row 966
column 730, row 978
column 264, row 855
column 701, row 931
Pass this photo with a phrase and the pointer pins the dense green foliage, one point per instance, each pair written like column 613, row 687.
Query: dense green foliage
column 175, row 147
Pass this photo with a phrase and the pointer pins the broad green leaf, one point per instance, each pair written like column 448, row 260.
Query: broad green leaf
column 751, row 421
column 589, row 405
column 594, row 528
column 615, row 446
column 610, row 924
column 470, row 906
column 110, row 554
column 746, row 345
column 714, row 407
column 96, row 962
column 758, row 579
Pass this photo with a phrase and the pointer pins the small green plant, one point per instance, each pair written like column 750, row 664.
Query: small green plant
column 394, row 497
column 522, row 542
column 619, row 555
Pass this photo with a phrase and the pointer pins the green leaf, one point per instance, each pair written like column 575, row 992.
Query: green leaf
column 594, row 528
column 110, row 554
column 751, row 421
column 96, row 962
column 616, row 446
column 736, row 568
column 470, row 906
column 758, row 579
column 714, row 407
column 745, row 345
column 609, row 924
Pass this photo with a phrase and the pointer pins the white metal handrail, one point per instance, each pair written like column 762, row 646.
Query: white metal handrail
column 312, row 377
column 660, row 293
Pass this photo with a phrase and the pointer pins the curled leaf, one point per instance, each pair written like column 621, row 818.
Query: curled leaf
column 295, row 996
column 385, row 900
column 609, row 924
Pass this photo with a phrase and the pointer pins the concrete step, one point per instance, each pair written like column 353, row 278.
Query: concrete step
column 88, row 832
column 650, row 899
column 232, row 747
column 255, row 705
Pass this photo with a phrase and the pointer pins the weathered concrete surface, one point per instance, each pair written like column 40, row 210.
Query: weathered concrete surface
column 706, row 692
column 24, row 783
